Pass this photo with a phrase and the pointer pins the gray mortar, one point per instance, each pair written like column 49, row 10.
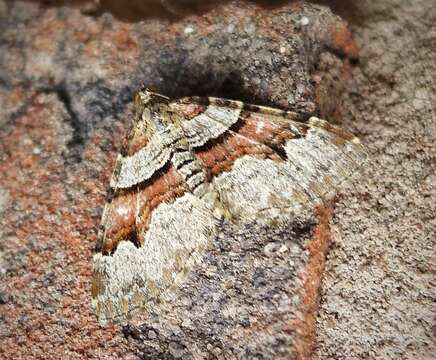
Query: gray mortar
column 379, row 291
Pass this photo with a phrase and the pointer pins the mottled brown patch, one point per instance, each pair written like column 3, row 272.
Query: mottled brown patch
column 48, row 34
column 97, row 285
column 51, row 234
column 218, row 156
column 342, row 137
column 188, row 111
column 121, row 222
column 138, row 136
column 123, row 39
column 255, row 135
column 11, row 98
column 264, row 130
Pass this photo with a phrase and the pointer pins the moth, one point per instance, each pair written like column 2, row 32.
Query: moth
column 188, row 164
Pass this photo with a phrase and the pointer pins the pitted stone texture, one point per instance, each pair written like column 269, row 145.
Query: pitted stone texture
column 379, row 295
column 242, row 301
column 241, row 50
column 66, row 84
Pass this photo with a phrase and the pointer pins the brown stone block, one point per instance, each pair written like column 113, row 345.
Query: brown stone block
column 67, row 82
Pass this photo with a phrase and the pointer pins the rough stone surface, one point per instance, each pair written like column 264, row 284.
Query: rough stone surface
column 241, row 303
column 66, row 85
column 379, row 291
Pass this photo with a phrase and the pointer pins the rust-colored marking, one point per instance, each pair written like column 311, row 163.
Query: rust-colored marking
column 259, row 128
column 122, row 223
column 255, row 136
column 219, row 155
column 189, row 111
column 310, row 292
column 343, row 41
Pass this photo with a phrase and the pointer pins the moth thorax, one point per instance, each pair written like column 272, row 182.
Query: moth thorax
column 155, row 118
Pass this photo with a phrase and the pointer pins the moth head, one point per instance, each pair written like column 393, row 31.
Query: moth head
column 147, row 97
column 150, row 116
column 152, row 109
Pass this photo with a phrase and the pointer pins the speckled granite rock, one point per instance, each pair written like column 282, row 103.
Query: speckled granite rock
column 66, row 85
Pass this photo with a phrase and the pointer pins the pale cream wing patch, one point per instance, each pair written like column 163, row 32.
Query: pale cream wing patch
column 142, row 165
column 132, row 277
column 316, row 167
column 203, row 127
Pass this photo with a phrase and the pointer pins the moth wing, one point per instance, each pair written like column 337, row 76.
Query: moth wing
column 262, row 162
column 140, row 166
column 132, row 277
column 203, row 120
column 268, row 163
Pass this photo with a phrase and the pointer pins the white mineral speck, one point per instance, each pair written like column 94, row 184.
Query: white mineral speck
column 36, row 151
column 188, row 30
column 304, row 21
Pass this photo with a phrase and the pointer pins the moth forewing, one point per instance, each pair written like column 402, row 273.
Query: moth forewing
column 205, row 158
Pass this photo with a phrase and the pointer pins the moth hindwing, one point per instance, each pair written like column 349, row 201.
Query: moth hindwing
column 192, row 161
